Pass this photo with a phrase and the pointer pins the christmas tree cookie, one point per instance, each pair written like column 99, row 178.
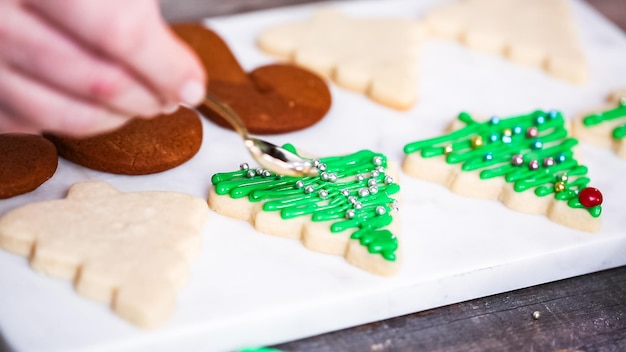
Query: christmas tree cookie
column 540, row 33
column 130, row 250
column 524, row 161
column 375, row 56
column 605, row 126
column 348, row 209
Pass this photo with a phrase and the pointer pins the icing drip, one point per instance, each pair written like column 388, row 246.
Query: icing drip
column 353, row 191
column 532, row 151
column 619, row 112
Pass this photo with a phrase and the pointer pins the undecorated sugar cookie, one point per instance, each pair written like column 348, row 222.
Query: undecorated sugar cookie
column 376, row 56
column 129, row 250
column 349, row 209
column 524, row 161
column 606, row 125
column 539, row 33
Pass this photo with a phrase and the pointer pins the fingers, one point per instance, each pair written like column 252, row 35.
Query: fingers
column 133, row 32
column 45, row 54
column 51, row 111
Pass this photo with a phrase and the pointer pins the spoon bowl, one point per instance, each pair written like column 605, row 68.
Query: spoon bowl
column 269, row 156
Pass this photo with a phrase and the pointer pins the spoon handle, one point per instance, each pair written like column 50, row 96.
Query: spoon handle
column 227, row 113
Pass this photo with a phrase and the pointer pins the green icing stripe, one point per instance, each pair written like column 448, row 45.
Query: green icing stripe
column 532, row 151
column 619, row 112
column 353, row 191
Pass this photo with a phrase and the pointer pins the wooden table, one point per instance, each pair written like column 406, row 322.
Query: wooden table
column 586, row 313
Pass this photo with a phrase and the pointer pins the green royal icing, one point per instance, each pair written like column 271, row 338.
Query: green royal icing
column 508, row 138
column 619, row 112
column 352, row 192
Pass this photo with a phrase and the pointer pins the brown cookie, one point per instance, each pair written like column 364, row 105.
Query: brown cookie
column 26, row 161
column 271, row 99
column 138, row 148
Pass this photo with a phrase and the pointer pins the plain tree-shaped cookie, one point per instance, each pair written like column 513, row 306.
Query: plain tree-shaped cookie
column 130, row 250
column 539, row 33
column 376, row 56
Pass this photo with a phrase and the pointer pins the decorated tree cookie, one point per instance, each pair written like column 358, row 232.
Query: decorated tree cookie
column 605, row 126
column 525, row 161
column 347, row 209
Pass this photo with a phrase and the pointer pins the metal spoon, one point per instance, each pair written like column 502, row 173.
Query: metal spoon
column 268, row 155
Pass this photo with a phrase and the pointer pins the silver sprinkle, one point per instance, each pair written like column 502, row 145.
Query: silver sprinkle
column 360, row 177
column 324, row 176
column 332, row 177
column 388, row 179
column 244, row 166
column 266, row 173
column 316, row 163
column 377, row 160
column 352, row 199
column 380, row 169
column 536, row 315
column 364, row 192
column 259, row 171
column 251, row 173
column 358, row 205
column 345, row 192
column 323, row 194
column 322, row 167
column 299, row 184
column 309, row 189
column 380, row 210
column 371, row 182
column 375, row 173
column 350, row 213
column 373, row 189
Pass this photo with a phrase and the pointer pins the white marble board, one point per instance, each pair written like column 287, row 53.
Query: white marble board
column 250, row 289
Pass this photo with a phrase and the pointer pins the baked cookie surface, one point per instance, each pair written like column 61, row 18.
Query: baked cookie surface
column 375, row 56
column 605, row 126
column 524, row 161
column 349, row 209
column 140, row 147
column 536, row 33
column 26, row 161
column 270, row 99
column 130, row 250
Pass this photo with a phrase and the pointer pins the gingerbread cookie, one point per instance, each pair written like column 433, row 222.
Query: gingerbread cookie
column 532, row 32
column 270, row 99
column 348, row 210
column 26, row 161
column 375, row 56
column 524, row 161
column 129, row 250
column 606, row 125
column 138, row 148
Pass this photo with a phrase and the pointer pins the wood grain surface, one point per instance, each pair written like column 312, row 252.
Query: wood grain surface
column 586, row 313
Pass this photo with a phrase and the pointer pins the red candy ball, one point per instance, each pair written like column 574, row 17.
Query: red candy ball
column 590, row 197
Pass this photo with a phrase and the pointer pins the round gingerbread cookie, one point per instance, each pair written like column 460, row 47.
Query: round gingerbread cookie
column 143, row 146
column 26, row 161
column 270, row 99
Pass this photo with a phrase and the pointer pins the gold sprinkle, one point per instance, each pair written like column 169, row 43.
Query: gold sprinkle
column 559, row 186
column 477, row 141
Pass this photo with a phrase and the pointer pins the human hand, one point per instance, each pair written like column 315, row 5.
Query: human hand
column 79, row 67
